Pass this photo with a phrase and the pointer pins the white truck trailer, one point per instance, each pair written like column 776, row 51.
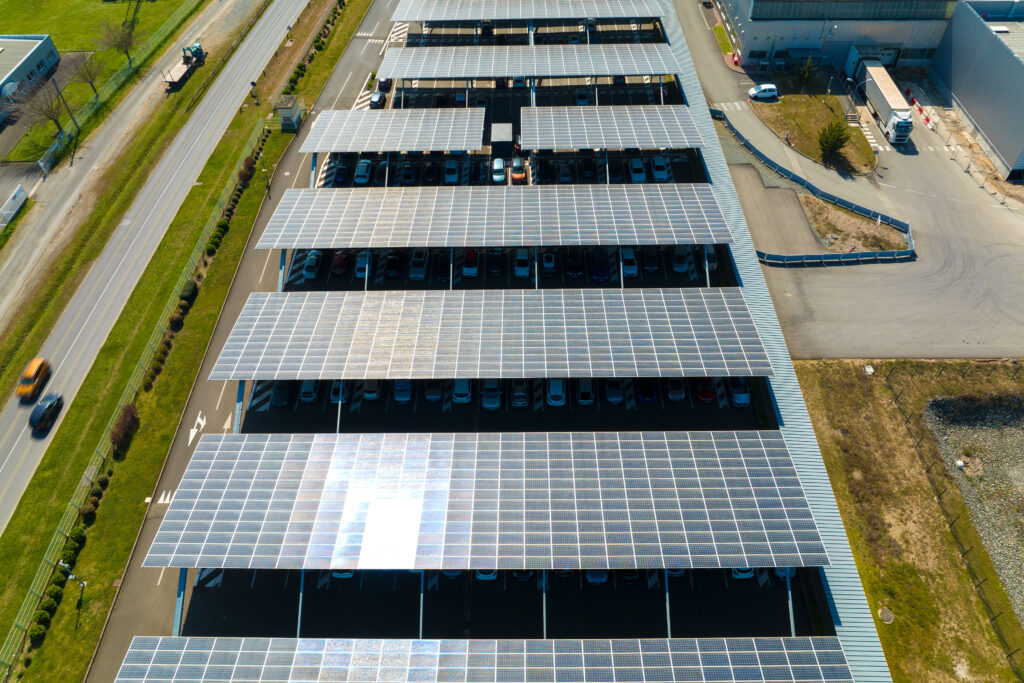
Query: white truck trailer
column 885, row 102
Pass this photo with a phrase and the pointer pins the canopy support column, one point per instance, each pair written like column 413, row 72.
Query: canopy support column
column 312, row 172
column 280, row 270
column 789, row 599
column 668, row 608
column 423, row 574
column 302, row 590
column 544, row 602
column 238, row 406
column 179, row 602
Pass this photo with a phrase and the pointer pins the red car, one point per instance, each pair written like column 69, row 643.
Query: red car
column 706, row 391
column 339, row 264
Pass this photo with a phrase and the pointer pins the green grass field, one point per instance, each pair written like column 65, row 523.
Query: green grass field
column 76, row 26
column 723, row 39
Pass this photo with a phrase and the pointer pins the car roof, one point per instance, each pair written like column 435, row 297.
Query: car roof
column 33, row 366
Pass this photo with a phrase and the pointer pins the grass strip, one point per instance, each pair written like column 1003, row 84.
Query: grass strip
column 66, row 652
column 8, row 232
column 869, row 430
column 723, row 39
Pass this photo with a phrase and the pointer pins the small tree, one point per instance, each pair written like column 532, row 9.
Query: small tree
column 807, row 72
column 832, row 138
column 90, row 72
column 121, row 38
column 124, row 429
column 42, row 108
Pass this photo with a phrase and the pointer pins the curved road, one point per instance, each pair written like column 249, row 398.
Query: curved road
column 95, row 307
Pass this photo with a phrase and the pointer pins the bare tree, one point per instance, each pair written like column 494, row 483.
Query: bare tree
column 43, row 108
column 120, row 37
column 90, row 72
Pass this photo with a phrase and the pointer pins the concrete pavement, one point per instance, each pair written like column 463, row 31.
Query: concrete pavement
column 145, row 600
column 960, row 299
column 92, row 311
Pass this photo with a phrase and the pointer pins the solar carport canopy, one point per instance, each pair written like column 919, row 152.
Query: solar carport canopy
column 647, row 126
column 175, row 659
column 531, row 333
column 396, row 130
column 546, row 61
column 524, row 10
column 510, row 215
column 544, row 500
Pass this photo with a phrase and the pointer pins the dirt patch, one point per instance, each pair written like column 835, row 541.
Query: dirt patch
column 987, row 437
column 843, row 231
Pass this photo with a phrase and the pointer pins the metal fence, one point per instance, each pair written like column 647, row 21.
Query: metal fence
column 855, row 257
column 117, row 80
column 16, row 636
column 13, row 205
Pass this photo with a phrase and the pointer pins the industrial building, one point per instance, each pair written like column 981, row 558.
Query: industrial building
column 24, row 62
column 980, row 65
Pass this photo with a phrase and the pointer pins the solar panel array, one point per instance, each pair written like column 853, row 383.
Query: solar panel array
column 533, row 333
column 396, row 130
column 653, row 660
column 542, row 500
column 503, row 10
column 491, row 61
column 648, row 126
column 511, row 215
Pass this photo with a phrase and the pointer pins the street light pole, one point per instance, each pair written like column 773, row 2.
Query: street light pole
column 81, row 594
column 853, row 89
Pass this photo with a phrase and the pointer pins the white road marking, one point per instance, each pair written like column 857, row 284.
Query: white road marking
column 263, row 274
column 227, row 423
column 225, row 386
column 705, row 19
column 161, row 577
column 198, row 427
column 342, row 91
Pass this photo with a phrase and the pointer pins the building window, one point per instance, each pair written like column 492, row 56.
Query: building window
column 757, row 54
column 40, row 65
column 51, row 55
column 31, row 75
column 852, row 9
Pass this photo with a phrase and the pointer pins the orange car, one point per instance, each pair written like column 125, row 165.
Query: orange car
column 36, row 374
column 518, row 170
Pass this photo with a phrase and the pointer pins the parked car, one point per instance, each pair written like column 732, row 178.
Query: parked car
column 441, row 265
column 451, row 172
column 495, row 262
column 646, row 390
column 764, row 91
column 45, row 412
column 597, row 577
column 584, row 391
column 372, row 389
column 564, row 172
column 392, row 266
column 521, row 267
column 486, row 574
column 556, row 392
column 630, row 267
column 614, row 172
column 485, row 28
column 613, row 392
column 548, row 263
column 518, row 170
column 462, row 392
column 309, row 390
column 739, row 387
column 500, row 82
column 659, row 169
column 432, row 390
column 33, row 379
column 339, row 392
column 380, row 174
column 384, row 85
column 545, row 173
column 341, row 173
column 651, row 259
column 599, row 264
column 418, row 265
column 705, row 390
column 582, row 97
column 574, row 265
column 498, row 171
column 637, row 172
column 402, row 391
column 460, row 99
column 712, row 259
column 676, row 390
column 490, row 394
column 520, row 394
column 483, row 173
column 311, row 266
column 574, row 39
column 364, row 171
column 588, row 170
column 408, row 174
column 680, row 258
column 431, row 173
column 742, row 573
column 339, row 264
column 279, row 394
column 519, row 81
column 471, row 264
column 378, row 100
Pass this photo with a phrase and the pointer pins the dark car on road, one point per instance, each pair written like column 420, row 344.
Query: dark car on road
column 45, row 412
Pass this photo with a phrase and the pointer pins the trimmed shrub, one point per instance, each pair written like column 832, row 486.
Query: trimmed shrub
column 104, row 481
column 26, row 660
column 58, row 579
column 48, row 605
column 161, row 356
column 223, row 224
column 36, row 633
column 96, row 491
column 182, row 307
column 42, row 618
column 88, row 514
column 55, row 593
column 73, row 546
column 177, row 320
column 166, row 346
column 78, row 533
column 94, row 501
column 69, row 556
column 147, row 381
column 189, row 291
column 124, row 429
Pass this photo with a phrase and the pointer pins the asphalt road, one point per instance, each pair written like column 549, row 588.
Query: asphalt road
column 145, row 600
column 960, row 299
column 95, row 307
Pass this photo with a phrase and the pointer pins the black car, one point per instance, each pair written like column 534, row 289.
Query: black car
column 574, row 264
column 45, row 412
column 431, row 173
column 408, row 174
column 614, row 172
column 392, row 266
column 495, row 262
column 342, row 173
column 380, row 175
column 441, row 266
column 384, row 85
column 588, row 170
column 545, row 172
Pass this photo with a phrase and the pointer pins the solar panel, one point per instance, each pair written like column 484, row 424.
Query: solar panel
column 396, row 130
column 534, row 333
column 491, row 61
column 501, row 10
column 647, row 126
column 651, row 660
column 511, row 215
column 543, row 500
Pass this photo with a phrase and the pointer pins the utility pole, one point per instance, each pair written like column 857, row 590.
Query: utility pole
column 60, row 94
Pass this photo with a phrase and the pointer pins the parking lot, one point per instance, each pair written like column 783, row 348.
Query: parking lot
column 437, row 406
column 505, row 604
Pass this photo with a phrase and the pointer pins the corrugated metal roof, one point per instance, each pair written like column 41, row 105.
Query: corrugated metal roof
column 854, row 623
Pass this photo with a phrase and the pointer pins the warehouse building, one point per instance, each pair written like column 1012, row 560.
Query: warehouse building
column 980, row 64
column 24, row 61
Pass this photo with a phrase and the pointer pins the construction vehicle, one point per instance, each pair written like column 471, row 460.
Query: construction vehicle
column 191, row 57
column 885, row 102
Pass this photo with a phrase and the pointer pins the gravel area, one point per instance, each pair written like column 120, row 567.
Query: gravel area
column 988, row 437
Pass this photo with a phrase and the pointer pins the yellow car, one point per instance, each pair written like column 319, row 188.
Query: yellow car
column 32, row 381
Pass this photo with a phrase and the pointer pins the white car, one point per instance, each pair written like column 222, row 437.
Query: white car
column 451, row 172
column 403, row 391
column 362, row 263
column 311, row 267
column 630, row 268
column 522, row 263
column 309, row 390
column 364, row 171
column 418, row 265
column 659, row 169
column 462, row 391
column 637, row 172
column 490, row 394
column 765, row 91
column 498, row 171
column 556, row 392
column 680, row 258
column 740, row 390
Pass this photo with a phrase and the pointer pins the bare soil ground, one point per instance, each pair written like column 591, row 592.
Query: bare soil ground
column 843, row 231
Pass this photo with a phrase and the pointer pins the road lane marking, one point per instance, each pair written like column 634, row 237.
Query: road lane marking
column 270, row 252
column 161, row 577
column 223, row 387
column 200, row 423
column 341, row 92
